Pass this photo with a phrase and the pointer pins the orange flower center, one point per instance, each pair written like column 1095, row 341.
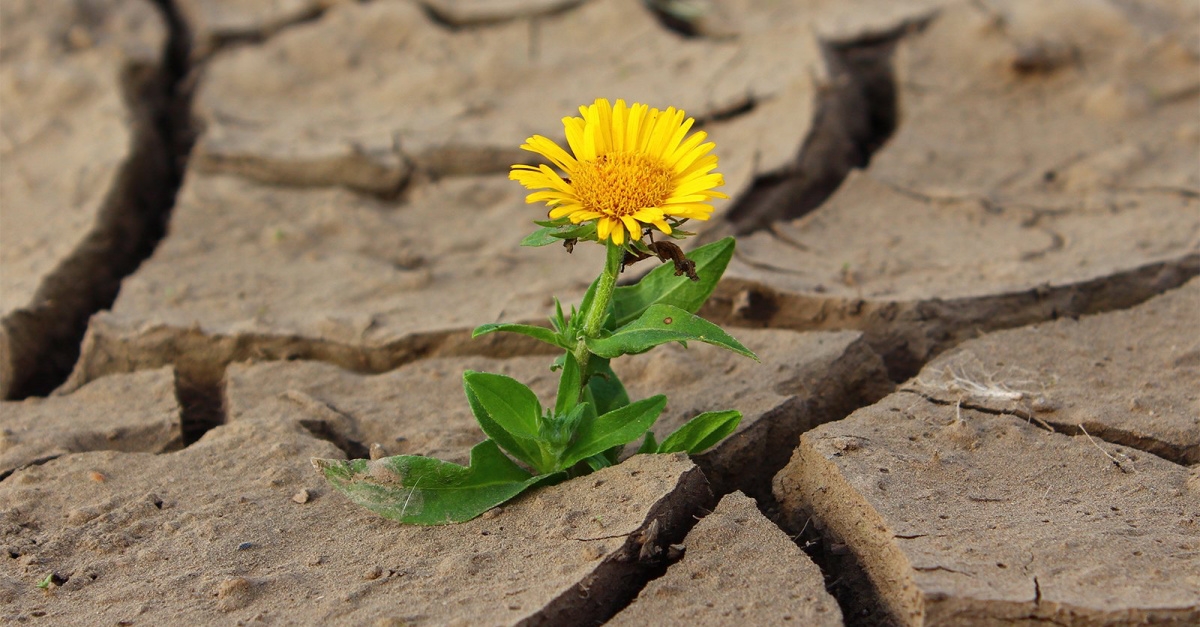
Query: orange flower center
column 618, row 184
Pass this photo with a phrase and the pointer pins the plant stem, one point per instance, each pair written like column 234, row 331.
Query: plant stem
column 594, row 317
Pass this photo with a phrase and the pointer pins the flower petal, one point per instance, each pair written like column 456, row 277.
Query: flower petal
column 574, row 130
column 604, row 227
column 696, row 211
column 680, row 132
column 620, row 119
column 664, row 127
column 550, row 150
column 635, row 229
column 700, row 184
column 672, row 160
column 618, row 233
column 699, row 151
column 565, row 210
column 549, row 195
column 604, row 127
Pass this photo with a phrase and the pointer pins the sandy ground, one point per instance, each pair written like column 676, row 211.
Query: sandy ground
column 234, row 236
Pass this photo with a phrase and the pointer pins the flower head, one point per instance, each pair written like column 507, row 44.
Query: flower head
column 628, row 167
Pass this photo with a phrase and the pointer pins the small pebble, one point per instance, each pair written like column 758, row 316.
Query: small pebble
column 492, row 513
column 374, row 573
column 245, row 546
column 301, row 496
column 97, row 477
column 377, row 451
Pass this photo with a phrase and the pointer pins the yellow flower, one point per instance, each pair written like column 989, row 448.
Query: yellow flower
column 631, row 166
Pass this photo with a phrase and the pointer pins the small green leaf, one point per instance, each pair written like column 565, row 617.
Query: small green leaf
column 663, row 287
column 702, row 432
column 509, row 401
column 551, row 233
column 648, row 445
column 558, row 320
column 568, row 386
column 427, row 491
column 581, row 231
column 596, row 462
column 511, row 422
column 540, row 237
column 538, row 333
column 661, row 324
column 614, row 428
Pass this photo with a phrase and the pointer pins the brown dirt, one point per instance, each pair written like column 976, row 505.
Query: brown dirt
column 908, row 180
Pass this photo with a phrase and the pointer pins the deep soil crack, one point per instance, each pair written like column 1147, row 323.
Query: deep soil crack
column 856, row 113
column 46, row 338
column 200, row 393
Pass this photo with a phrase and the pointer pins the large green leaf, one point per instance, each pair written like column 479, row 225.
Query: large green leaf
column 509, row 415
column 612, row 429
column 663, row 287
column 538, row 333
column 661, row 324
column 702, row 432
column 427, row 491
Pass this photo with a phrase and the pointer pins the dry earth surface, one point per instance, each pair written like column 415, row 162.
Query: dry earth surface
column 238, row 235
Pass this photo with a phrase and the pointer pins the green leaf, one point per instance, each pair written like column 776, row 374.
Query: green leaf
column 702, row 432
column 538, row 333
column 596, row 462
column 614, row 428
column 551, row 233
column 509, row 401
column 540, row 237
column 648, row 445
column 427, row 491
column 512, row 421
column 568, row 386
column 580, row 231
column 558, row 320
column 663, row 287
column 661, row 324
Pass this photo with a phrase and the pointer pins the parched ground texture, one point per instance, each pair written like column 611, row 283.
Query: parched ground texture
column 238, row 235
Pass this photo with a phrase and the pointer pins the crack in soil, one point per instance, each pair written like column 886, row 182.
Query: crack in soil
column 36, row 462
column 856, row 113
column 46, row 337
column 201, row 398
column 614, row 584
column 217, row 42
column 910, row 333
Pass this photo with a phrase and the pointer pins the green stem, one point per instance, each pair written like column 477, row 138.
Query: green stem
column 593, row 320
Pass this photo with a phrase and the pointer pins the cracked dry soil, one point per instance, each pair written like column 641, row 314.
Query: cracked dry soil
column 235, row 236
